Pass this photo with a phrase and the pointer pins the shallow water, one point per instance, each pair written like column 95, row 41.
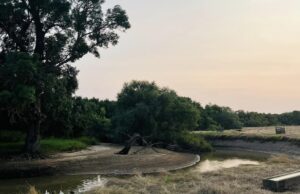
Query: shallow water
column 210, row 162
column 52, row 184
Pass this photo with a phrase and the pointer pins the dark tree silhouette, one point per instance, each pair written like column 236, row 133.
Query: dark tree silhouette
column 56, row 32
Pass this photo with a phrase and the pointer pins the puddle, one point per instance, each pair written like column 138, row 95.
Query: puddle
column 53, row 184
column 215, row 165
column 91, row 184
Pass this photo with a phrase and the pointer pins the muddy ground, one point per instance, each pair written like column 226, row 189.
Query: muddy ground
column 100, row 159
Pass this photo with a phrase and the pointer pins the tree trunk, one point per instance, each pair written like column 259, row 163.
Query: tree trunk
column 129, row 143
column 33, row 132
column 32, row 139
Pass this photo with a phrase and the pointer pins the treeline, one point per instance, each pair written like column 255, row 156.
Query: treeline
column 158, row 114
column 254, row 119
column 221, row 118
column 216, row 118
column 142, row 107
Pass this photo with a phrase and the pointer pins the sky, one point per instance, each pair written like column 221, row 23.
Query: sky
column 244, row 54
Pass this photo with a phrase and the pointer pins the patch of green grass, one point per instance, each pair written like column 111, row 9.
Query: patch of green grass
column 49, row 145
column 167, row 179
column 61, row 145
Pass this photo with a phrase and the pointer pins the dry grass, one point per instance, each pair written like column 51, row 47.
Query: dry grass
column 291, row 131
column 263, row 134
column 32, row 190
column 243, row 179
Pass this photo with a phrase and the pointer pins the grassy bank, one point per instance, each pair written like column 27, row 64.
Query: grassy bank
column 261, row 134
column 243, row 179
column 49, row 145
column 63, row 145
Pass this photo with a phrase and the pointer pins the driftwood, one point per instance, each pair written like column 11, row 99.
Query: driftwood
column 129, row 144
column 152, row 146
column 133, row 140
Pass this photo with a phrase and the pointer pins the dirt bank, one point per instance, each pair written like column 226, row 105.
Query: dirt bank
column 258, row 146
column 100, row 159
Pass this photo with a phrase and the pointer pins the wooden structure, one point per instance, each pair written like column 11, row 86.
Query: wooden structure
column 282, row 182
column 280, row 130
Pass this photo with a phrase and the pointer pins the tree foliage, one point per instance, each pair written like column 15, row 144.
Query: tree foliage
column 19, row 77
column 38, row 39
column 144, row 108
column 219, row 118
column 59, row 31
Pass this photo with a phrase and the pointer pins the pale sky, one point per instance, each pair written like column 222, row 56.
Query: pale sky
column 244, row 54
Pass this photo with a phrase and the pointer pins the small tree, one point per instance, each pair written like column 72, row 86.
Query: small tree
column 53, row 33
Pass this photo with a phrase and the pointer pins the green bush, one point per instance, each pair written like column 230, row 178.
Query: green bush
column 193, row 142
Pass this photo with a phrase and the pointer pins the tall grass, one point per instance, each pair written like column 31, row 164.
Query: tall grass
column 240, row 180
column 32, row 190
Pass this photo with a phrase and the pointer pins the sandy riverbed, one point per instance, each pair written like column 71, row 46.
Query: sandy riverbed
column 100, row 159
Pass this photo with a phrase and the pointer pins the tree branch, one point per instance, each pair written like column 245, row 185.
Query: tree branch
column 13, row 36
column 40, row 34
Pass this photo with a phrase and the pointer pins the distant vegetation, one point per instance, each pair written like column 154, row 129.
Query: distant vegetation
column 158, row 114
column 251, row 134
column 39, row 40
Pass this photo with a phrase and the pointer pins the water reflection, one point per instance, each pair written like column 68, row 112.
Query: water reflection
column 89, row 185
column 53, row 184
column 86, row 185
column 215, row 165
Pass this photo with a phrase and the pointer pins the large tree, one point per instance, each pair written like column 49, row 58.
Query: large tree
column 159, row 113
column 52, row 33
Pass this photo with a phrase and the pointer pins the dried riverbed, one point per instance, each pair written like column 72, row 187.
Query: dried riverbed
column 100, row 160
column 223, row 172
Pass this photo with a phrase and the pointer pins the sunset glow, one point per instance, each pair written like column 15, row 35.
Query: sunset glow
column 238, row 53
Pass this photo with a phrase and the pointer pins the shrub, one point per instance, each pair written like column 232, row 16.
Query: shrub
column 193, row 142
